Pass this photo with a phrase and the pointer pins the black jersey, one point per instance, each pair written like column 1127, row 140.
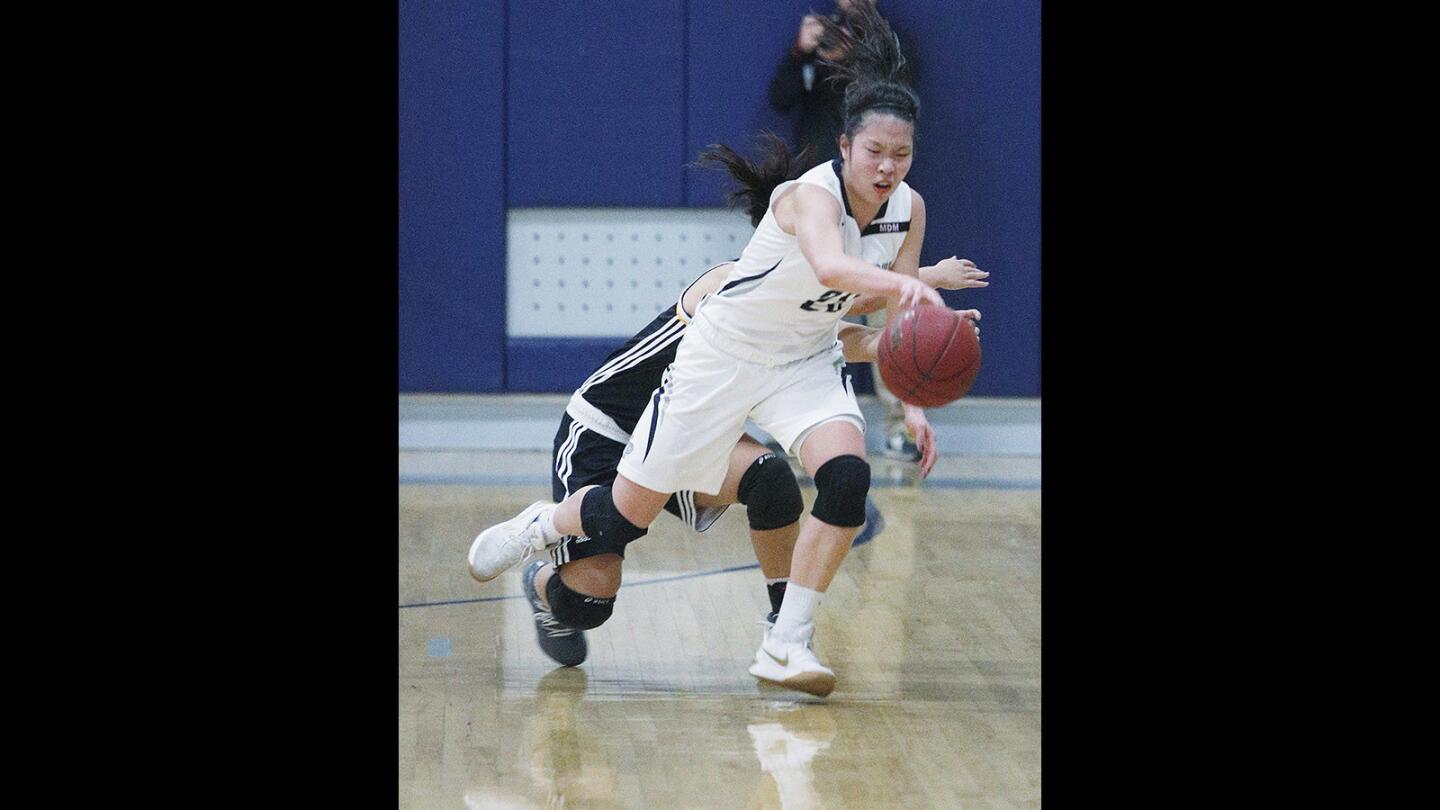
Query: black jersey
column 613, row 397
column 620, row 389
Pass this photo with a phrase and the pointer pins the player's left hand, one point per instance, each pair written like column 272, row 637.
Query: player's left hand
column 919, row 426
column 958, row 274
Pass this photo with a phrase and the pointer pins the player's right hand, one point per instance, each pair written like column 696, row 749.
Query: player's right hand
column 913, row 291
column 919, row 426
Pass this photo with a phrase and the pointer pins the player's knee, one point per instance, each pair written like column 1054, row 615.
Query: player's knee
column 842, row 484
column 602, row 521
column 598, row 574
column 770, row 493
column 574, row 609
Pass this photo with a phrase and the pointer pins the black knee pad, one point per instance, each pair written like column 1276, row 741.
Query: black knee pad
column 770, row 493
column 603, row 522
column 574, row 609
column 843, row 482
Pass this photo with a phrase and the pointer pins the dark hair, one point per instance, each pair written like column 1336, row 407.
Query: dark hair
column 875, row 69
column 758, row 180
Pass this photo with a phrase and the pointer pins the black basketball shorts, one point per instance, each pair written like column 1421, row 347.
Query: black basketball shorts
column 583, row 457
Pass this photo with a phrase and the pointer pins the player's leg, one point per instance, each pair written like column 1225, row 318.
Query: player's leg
column 834, row 454
column 613, row 514
column 682, row 440
column 764, row 483
column 577, row 596
column 599, row 575
column 575, row 589
column 589, row 565
column 582, row 457
column 817, row 418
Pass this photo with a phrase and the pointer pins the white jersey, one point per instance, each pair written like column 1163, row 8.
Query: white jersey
column 772, row 309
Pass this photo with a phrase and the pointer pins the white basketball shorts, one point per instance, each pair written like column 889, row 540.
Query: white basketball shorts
column 684, row 438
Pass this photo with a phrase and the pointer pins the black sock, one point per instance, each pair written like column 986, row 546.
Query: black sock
column 777, row 594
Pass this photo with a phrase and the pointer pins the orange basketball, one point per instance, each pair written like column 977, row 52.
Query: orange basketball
column 929, row 355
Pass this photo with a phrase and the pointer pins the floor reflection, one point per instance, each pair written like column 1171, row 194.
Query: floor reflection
column 787, row 738
column 569, row 763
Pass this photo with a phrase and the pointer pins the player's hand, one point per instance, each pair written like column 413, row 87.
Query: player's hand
column 957, row 274
column 871, row 344
column 973, row 315
column 809, row 38
column 914, row 291
column 919, row 426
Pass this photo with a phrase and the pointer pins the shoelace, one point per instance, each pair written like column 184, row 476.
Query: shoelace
column 553, row 628
column 547, row 620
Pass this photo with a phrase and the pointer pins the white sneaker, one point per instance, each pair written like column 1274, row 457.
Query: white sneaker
column 499, row 548
column 793, row 665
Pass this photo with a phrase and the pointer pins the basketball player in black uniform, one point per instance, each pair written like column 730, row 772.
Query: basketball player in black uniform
column 591, row 440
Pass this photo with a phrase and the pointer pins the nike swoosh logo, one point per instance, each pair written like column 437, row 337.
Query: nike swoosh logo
column 781, row 661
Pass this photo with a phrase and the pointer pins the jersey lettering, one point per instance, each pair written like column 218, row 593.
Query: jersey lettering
column 832, row 304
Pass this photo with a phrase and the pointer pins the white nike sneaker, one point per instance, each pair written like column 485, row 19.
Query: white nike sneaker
column 792, row 665
column 501, row 547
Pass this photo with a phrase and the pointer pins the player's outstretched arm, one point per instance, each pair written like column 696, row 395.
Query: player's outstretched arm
column 814, row 216
column 954, row 274
column 948, row 274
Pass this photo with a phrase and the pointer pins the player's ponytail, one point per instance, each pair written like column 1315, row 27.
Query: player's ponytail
column 758, row 180
column 873, row 65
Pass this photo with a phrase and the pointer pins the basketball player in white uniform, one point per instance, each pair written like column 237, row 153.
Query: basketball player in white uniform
column 604, row 410
column 765, row 348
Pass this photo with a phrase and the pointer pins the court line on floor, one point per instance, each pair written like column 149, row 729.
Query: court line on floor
column 874, row 526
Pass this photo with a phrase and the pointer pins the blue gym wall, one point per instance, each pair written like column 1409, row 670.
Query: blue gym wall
column 520, row 103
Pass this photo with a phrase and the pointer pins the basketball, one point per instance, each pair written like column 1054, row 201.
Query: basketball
column 929, row 355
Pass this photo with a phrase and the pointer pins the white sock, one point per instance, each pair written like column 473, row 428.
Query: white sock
column 796, row 621
column 547, row 525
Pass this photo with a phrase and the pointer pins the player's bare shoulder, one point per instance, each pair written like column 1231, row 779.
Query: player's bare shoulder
column 783, row 206
column 812, row 197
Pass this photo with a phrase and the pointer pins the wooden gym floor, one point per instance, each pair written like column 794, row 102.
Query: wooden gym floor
column 932, row 626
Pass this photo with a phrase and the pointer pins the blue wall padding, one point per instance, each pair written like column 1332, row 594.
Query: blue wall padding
column 597, row 103
column 452, row 212
column 556, row 365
